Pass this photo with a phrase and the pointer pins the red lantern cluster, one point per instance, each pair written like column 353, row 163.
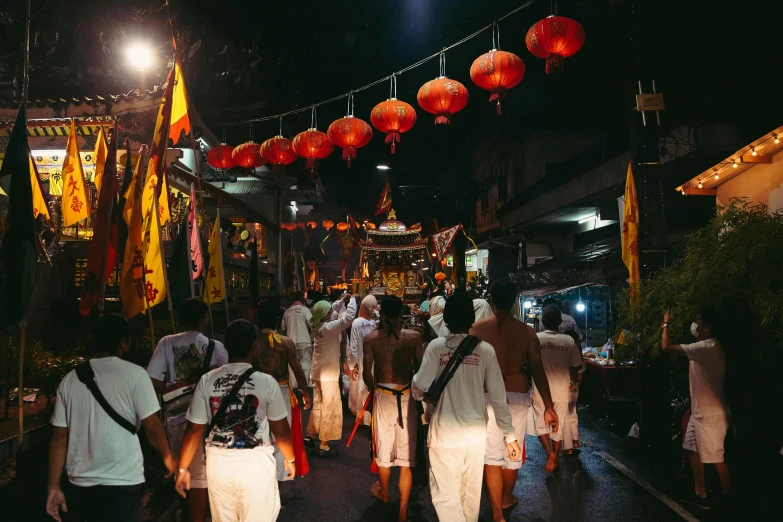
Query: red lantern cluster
column 393, row 117
column 288, row 226
column 248, row 155
column 350, row 133
column 220, row 157
column 555, row 38
column 313, row 145
column 278, row 151
column 443, row 97
column 497, row 71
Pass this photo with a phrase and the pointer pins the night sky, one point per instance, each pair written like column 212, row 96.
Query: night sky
column 246, row 59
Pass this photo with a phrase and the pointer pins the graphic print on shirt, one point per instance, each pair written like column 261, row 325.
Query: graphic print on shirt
column 473, row 359
column 238, row 426
column 188, row 361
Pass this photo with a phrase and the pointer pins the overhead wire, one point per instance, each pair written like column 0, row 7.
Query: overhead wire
column 380, row 80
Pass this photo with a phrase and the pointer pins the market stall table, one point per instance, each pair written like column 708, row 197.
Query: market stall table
column 607, row 372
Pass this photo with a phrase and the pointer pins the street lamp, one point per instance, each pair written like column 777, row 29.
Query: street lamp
column 139, row 56
column 383, row 167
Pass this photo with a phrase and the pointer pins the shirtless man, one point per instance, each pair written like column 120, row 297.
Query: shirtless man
column 515, row 344
column 275, row 355
column 395, row 353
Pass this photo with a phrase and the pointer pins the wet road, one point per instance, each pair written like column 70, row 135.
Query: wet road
column 586, row 487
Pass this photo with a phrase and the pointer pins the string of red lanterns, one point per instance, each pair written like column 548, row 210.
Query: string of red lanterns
column 350, row 133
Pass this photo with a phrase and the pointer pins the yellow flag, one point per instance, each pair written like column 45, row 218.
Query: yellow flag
column 163, row 201
column 101, row 150
column 39, row 203
column 132, row 288
column 76, row 203
column 149, row 193
column 180, row 121
column 133, row 193
column 215, row 289
column 153, row 262
column 631, row 234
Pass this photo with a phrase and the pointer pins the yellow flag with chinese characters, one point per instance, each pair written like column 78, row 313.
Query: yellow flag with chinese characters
column 631, row 234
column 132, row 289
column 75, row 203
column 99, row 156
column 180, row 121
column 155, row 285
column 149, row 193
column 215, row 288
column 39, row 202
column 133, row 193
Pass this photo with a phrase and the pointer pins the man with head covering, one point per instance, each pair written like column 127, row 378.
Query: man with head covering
column 481, row 309
column 326, row 420
column 357, row 393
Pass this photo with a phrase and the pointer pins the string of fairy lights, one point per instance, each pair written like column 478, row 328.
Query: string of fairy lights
column 733, row 163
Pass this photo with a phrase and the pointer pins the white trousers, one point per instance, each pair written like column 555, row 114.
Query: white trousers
column 304, row 352
column 279, row 458
column 455, row 482
column 357, row 395
column 242, row 485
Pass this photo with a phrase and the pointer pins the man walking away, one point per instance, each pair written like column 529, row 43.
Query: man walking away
column 177, row 363
column 354, row 358
column 276, row 356
column 566, row 323
column 240, row 406
column 296, row 325
column 97, row 413
column 709, row 420
column 561, row 360
column 458, row 430
column 326, row 419
column 573, row 398
column 395, row 353
column 516, row 345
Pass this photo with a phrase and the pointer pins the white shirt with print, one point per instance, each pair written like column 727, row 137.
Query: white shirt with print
column 246, row 421
column 296, row 324
column 100, row 451
column 559, row 354
column 180, row 357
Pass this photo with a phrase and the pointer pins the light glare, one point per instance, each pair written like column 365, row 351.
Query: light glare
column 139, row 56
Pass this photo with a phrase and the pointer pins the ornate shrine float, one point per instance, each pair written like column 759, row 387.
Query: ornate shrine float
column 391, row 258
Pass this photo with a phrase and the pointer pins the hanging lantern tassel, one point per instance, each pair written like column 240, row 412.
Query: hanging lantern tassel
column 554, row 64
column 349, row 153
column 393, row 138
column 496, row 96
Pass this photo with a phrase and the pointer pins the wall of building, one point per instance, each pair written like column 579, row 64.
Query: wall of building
column 763, row 183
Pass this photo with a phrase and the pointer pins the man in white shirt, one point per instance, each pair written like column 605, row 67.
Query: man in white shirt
column 709, row 420
column 566, row 323
column 179, row 361
column 458, row 429
column 326, row 419
column 361, row 327
column 296, row 325
column 562, row 360
column 240, row 454
column 103, row 458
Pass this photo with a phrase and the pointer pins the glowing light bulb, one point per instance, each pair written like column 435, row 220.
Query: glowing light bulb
column 777, row 140
column 734, row 165
column 580, row 306
column 527, row 304
column 682, row 192
column 140, row 56
column 716, row 175
column 700, row 184
column 753, row 152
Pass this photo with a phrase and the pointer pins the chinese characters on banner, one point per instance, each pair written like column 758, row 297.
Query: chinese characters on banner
column 215, row 290
column 75, row 203
column 631, row 234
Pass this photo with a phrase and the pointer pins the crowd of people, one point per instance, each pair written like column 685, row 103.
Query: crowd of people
column 479, row 380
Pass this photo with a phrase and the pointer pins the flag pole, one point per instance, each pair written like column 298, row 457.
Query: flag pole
column 163, row 264
column 189, row 259
column 105, row 254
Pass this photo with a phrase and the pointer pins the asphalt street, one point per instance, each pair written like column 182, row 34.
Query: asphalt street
column 586, row 487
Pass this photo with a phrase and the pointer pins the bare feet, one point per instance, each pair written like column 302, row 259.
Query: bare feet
column 551, row 463
column 576, row 443
column 380, row 495
column 514, row 501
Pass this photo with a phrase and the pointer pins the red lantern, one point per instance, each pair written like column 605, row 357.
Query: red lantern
column 350, row 133
column 312, row 145
column 328, row 224
column 248, row 155
column 301, row 225
column 443, row 96
column 369, row 225
column 555, row 38
column 278, row 151
column 393, row 117
column 497, row 71
column 220, row 157
column 288, row 226
column 440, row 276
column 312, row 225
column 342, row 227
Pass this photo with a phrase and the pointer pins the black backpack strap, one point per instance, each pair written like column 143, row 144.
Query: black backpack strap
column 86, row 375
column 229, row 397
column 464, row 349
column 208, row 357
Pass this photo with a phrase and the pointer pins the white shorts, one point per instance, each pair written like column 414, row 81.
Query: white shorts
column 705, row 435
column 394, row 445
column 242, row 484
column 564, row 433
column 497, row 453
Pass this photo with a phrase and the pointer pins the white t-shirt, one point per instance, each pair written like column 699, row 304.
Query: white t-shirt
column 326, row 348
column 460, row 418
column 359, row 330
column 566, row 323
column 100, row 451
column 706, row 371
column 558, row 355
column 296, row 324
column 246, row 422
column 180, row 357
